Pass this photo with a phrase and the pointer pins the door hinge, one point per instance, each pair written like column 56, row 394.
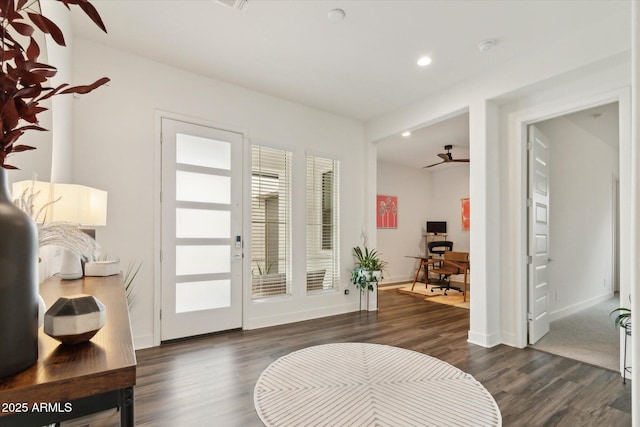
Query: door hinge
column 160, row 314
column 529, row 145
column 529, row 202
column 529, row 259
column 530, row 317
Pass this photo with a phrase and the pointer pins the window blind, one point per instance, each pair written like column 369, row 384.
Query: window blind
column 323, row 225
column 270, row 222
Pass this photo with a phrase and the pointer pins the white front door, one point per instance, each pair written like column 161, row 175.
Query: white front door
column 201, row 230
column 538, row 219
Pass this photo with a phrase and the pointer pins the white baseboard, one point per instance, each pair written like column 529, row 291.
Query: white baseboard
column 144, row 341
column 457, row 278
column 281, row 319
column 484, row 340
column 395, row 280
column 510, row 340
column 574, row 308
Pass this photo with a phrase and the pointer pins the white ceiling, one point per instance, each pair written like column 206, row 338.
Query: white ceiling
column 602, row 122
column 362, row 67
column 421, row 148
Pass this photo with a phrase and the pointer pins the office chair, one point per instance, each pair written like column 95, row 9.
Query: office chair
column 440, row 247
column 452, row 263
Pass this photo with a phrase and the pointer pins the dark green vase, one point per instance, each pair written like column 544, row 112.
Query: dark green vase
column 18, row 285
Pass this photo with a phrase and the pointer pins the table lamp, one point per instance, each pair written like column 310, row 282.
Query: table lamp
column 69, row 203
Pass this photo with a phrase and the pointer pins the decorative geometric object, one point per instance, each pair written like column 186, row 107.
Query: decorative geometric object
column 74, row 319
column 360, row 384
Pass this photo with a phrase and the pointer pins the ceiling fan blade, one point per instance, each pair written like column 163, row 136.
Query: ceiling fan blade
column 461, row 160
column 435, row 164
column 444, row 156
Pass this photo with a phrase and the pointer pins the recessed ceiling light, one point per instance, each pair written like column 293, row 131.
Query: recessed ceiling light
column 336, row 15
column 406, row 133
column 424, row 61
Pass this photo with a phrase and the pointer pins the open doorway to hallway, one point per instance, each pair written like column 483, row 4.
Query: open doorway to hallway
column 583, row 260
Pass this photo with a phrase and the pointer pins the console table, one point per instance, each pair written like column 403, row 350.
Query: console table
column 77, row 380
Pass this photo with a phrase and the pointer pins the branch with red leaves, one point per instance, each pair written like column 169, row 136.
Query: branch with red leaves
column 23, row 80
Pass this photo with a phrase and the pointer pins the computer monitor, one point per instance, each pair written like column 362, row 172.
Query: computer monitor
column 437, row 227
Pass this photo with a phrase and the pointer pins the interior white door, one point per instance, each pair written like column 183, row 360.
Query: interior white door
column 538, row 215
column 201, row 230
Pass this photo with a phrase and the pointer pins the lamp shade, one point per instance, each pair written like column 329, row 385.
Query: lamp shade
column 77, row 204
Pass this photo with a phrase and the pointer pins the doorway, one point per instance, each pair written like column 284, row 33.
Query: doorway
column 580, row 253
column 201, row 217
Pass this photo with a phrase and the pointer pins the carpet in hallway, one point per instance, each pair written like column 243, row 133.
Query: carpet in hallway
column 588, row 336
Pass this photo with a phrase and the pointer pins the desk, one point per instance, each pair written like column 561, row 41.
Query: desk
column 74, row 381
column 426, row 261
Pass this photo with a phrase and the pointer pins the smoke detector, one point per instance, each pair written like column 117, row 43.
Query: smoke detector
column 336, row 15
column 235, row 4
column 486, row 45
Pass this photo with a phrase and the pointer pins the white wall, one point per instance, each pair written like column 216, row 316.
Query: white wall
column 413, row 189
column 595, row 85
column 582, row 169
column 582, row 64
column 635, row 206
column 52, row 158
column 448, row 186
column 433, row 195
column 61, row 106
column 116, row 145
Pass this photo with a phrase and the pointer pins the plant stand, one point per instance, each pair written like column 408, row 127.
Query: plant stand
column 371, row 297
column 627, row 334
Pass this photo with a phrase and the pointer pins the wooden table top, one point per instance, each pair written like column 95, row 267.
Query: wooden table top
column 66, row 372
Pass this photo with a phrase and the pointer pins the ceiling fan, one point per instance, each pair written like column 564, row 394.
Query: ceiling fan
column 447, row 158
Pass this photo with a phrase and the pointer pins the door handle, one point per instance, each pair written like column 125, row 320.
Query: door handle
column 549, row 259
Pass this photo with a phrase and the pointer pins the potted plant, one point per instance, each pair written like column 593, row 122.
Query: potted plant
column 265, row 283
column 366, row 273
column 623, row 317
column 23, row 88
column 623, row 320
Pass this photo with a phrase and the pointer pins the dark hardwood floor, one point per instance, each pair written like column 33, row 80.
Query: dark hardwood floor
column 210, row 380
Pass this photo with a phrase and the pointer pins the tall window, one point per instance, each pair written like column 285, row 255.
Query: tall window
column 323, row 208
column 270, row 222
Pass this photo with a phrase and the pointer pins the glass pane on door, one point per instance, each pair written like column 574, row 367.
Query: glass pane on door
column 194, row 223
column 197, row 151
column 192, row 259
column 203, row 188
column 204, row 295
